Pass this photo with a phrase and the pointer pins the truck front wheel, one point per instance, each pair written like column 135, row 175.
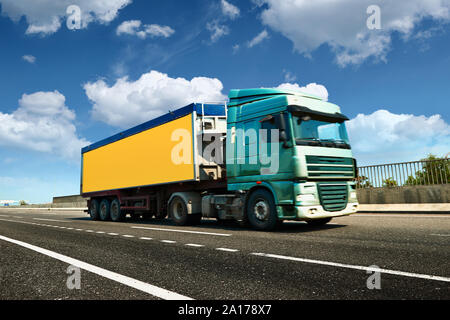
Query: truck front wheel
column 178, row 211
column 261, row 210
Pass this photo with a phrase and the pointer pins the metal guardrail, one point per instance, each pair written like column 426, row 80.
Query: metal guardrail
column 423, row 172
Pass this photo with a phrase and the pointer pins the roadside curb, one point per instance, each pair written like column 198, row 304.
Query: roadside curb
column 424, row 208
column 403, row 212
column 46, row 209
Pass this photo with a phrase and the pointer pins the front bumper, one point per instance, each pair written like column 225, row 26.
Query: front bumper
column 317, row 212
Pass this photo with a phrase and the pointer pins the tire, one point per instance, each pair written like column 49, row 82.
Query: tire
column 104, row 211
column 94, row 209
column 178, row 211
column 115, row 212
column 261, row 210
column 319, row 222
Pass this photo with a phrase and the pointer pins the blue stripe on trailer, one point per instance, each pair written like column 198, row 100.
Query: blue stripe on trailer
column 208, row 109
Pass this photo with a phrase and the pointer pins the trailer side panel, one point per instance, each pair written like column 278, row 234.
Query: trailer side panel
column 141, row 159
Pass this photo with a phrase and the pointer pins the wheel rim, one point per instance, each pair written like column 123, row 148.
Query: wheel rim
column 103, row 211
column 178, row 210
column 261, row 210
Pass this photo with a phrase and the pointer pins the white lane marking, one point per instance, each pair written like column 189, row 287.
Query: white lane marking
column 185, row 231
column 401, row 215
column 145, row 238
column 440, row 235
column 18, row 217
column 168, row 241
column 69, row 228
column 78, row 229
column 194, row 245
column 113, row 234
column 89, row 230
column 227, row 249
column 350, row 266
column 1, row 215
column 42, row 219
column 127, row 236
column 133, row 283
column 100, row 232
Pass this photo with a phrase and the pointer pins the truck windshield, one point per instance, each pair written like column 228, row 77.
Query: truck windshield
column 320, row 133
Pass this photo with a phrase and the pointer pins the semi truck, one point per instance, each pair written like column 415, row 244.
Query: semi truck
column 265, row 156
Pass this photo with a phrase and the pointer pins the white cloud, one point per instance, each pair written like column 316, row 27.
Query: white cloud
column 45, row 16
column 42, row 123
column 385, row 137
column 311, row 88
column 29, row 58
column 258, row 39
column 45, row 28
column 229, row 10
column 217, row 30
column 128, row 103
column 156, row 30
column 289, row 76
column 129, row 27
column 342, row 24
column 135, row 27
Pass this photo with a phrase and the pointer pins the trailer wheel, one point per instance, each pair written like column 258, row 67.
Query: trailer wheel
column 105, row 210
column 94, row 209
column 115, row 212
column 318, row 222
column 261, row 211
column 178, row 211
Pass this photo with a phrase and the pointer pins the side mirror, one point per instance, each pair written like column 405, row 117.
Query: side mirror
column 282, row 125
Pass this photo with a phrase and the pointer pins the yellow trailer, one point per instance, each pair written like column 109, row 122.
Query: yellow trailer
column 160, row 151
column 137, row 171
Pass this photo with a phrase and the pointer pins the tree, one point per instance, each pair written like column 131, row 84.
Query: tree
column 434, row 171
column 363, row 182
column 389, row 182
column 22, row 202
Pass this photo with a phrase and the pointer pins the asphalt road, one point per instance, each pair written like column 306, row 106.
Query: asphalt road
column 157, row 260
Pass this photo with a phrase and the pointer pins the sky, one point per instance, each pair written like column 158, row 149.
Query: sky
column 73, row 72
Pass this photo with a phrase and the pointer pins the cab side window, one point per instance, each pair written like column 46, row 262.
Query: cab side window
column 267, row 124
column 274, row 121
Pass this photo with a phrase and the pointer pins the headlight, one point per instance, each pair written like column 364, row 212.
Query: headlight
column 353, row 195
column 305, row 197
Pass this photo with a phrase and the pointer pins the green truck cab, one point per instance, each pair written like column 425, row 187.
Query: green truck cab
column 314, row 178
